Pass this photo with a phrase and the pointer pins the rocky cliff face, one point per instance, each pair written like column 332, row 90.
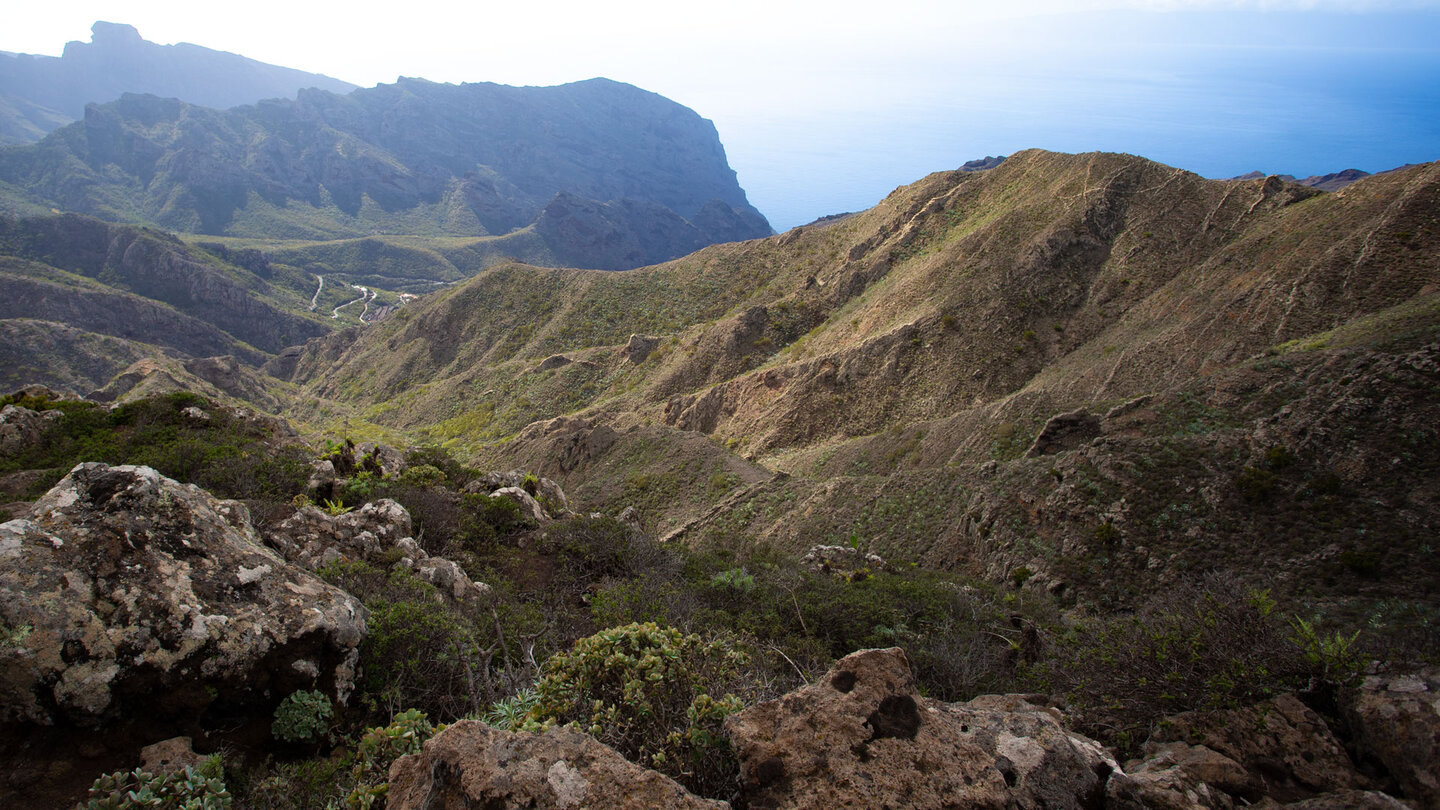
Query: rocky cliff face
column 412, row 157
column 40, row 93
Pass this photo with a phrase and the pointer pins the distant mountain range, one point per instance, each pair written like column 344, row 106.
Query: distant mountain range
column 595, row 174
column 39, row 94
column 1325, row 182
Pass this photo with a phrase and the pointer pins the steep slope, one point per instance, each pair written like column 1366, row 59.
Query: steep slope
column 610, row 175
column 82, row 299
column 39, row 94
column 887, row 362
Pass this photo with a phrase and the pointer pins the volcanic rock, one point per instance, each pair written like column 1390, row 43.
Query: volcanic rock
column 471, row 764
column 127, row 592
column 863, row 737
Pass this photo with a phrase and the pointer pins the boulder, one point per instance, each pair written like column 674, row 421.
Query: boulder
column 529, row 507
column 169, row 756
column 1282, row 742
column 22, row 428
column 549, row 499
column 1170, row 788
column 305, row 537
column 128, row 592
column 863, row 737
column 1183, row 777
column 373, row 533
column 842, row 561
column 323, row 479
column 470, row 764
column 1350, row 800
column 1396, row 722
column 379, row 459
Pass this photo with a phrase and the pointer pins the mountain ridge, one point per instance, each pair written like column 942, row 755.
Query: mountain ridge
column 415, row 157
column 40, row 93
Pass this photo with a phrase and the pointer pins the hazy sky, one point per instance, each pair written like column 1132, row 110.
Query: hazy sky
column 826, row 107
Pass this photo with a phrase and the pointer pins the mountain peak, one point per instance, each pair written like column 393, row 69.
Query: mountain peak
column 114, row 34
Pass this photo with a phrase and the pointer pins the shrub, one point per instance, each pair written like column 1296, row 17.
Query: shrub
column 417, row 650
column 645, row 690
column 378, row 749
column 228, row 455
column 1335, row 660
column 1197, row 647
column 194, row 789
column 352, row 779
column 302, row 715
column 1255, row 484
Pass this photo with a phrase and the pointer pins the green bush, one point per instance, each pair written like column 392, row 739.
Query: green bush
column 416, row 652
column 353, row 777
column 378, row 749
column 302, row 715
column 227, row 455
column 1197, row 647
column 646, row 691
column 195, row 789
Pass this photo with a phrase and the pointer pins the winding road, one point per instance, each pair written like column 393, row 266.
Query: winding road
column 315, row 299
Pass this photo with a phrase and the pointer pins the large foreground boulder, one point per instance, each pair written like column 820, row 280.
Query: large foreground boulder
column 471, row 764
column 128, row 593
column 1396, row 722
column 863, row 737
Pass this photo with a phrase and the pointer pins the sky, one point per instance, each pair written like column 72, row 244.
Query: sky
column 825, row 108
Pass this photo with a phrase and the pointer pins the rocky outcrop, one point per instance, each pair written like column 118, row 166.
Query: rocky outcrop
column 471, row 764
column 127, row 592
column 540, row 499
column 169, row 756
column 1065, row 431
column 1181, row 777
column 1396, row 721
column 842, row 561
column 863, row 737
column 22, row 428
column 1284, row 746
column 374, row 533
column 567, row 443
column 610, row 175
column 638, row 348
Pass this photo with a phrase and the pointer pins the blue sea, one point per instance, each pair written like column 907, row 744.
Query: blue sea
column 1217, row 94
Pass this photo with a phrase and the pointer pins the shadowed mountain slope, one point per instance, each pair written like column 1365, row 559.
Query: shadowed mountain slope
column 81, row 299
column 607, row 175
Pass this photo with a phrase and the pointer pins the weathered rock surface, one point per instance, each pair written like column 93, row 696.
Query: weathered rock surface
column 638, row 348
column 529, row 507
column 1350, row 800
column 129, row 592
column 541, row 499
column 1396, row 721
column 22, row 428
column 312, row 537
column 471, row 764
column 1182, row 777
column 1281, row 742
column 842, row 561
column 169, row 756
column 863, row 737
